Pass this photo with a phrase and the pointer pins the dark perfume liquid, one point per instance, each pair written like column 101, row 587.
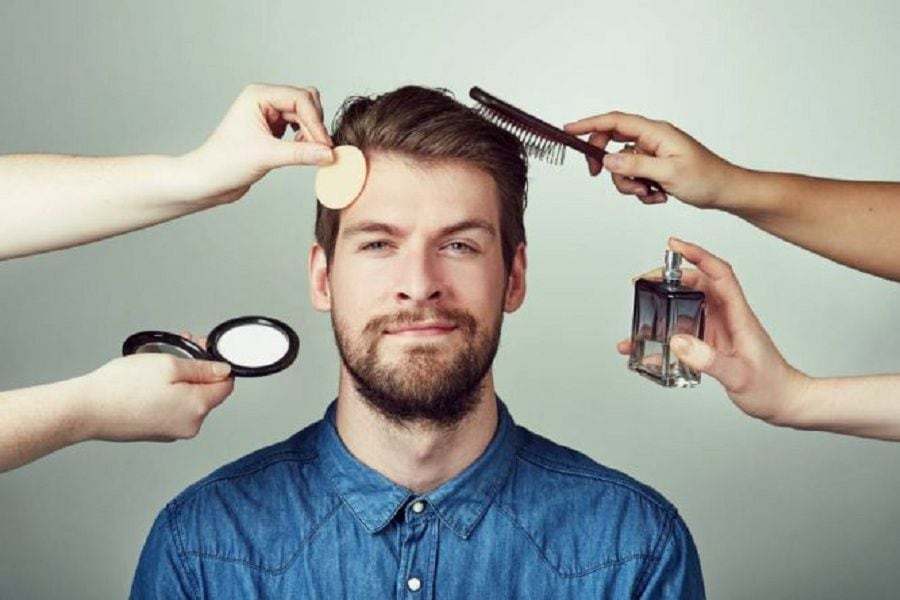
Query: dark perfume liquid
column 662, row 309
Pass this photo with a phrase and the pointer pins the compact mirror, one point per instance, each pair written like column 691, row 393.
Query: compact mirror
column 253, row 345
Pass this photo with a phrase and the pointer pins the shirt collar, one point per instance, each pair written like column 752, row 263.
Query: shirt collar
column 460, row 502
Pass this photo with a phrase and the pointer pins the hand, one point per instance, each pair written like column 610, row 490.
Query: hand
column 736, row 351
column 152, row 397
column 662, row 153
column 247, row 143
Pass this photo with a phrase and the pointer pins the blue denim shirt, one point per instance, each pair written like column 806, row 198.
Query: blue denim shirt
column 527, row 519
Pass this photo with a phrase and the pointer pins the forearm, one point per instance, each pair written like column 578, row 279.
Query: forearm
column 51, row 201
column 866, row 406
column 38, row 420
column 851, row 222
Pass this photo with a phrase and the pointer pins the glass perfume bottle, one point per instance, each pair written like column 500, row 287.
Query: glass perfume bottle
column 662, row 308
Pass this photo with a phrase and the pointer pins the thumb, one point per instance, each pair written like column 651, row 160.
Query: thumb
column 201, row 371
column 287, row 152
column 729, row 371
column 636, row 165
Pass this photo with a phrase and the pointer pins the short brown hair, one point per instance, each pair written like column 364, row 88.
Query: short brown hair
column 429, row 125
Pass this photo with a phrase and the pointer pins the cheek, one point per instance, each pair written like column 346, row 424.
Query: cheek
column 480, row 292
column 363, row 280
column 357, row 296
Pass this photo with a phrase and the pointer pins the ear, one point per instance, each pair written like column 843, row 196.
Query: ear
column 515, row 283
column 319, row 286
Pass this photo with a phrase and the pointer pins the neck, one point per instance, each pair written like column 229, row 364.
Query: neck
column 419, row 457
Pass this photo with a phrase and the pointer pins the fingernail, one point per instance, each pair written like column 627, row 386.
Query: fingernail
column 680, row 345
column 613, row 162
column 221, row 369
column 323, row 153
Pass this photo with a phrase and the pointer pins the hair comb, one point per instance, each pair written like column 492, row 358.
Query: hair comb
column 542, row 140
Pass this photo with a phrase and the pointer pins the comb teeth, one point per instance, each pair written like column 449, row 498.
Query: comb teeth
column 536, row 145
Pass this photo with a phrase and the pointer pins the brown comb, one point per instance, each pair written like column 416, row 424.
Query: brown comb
column 542, row 140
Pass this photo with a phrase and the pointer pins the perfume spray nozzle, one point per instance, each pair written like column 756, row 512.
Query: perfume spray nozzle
column 672, row 268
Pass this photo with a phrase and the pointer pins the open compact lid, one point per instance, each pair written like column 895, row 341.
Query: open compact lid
column 252, row 345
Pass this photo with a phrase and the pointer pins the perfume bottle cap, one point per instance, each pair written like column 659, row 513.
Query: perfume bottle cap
column 672, row 268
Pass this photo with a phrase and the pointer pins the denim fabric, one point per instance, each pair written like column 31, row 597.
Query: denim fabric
column 528, row 519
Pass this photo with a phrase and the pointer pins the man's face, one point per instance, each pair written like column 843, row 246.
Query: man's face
column 417, row 287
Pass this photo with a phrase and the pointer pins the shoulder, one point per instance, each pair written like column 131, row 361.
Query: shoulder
column 542, row 460
column 258, row 510
column 581, row 515
column 290, row 455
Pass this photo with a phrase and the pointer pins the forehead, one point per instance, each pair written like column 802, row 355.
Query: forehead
column 407, row 193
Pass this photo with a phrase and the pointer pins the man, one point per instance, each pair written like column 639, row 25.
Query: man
column 417, row 483
column 50, row 202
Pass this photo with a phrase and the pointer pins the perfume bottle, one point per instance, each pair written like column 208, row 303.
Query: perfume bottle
column 662, row 308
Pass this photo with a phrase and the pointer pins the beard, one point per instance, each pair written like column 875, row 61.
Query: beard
column 426, row 384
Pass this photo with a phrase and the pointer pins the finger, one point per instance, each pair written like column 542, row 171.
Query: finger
column 731, row 372
column 720, row 272
column 628, row 186
column 625, row 124
column 213, row 394
column 721, row 287
column 305, row 134
column 690, row 277
column 283, row 152
column 654, row 197
column 638, row 165
column 600, row 140
column 624, row 347
column 200, row 371
column 317, row 102
column 710, row 264
column 309, row 115
column 299, row 102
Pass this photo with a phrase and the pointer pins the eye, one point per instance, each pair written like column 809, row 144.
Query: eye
column 374, row 246
column 461, row 248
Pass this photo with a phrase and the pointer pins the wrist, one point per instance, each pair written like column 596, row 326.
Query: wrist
column 196, row 182
column 794, row 404
column 734, row 188
column 80, row 412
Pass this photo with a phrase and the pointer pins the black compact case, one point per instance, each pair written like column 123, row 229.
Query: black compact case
column 170, row 343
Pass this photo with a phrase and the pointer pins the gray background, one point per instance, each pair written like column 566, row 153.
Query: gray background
column 802, row 86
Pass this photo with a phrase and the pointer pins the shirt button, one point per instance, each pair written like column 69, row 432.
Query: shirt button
column 414, row 584
column 418, row 506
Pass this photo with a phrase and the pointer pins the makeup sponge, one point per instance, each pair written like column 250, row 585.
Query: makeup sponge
column 338, row 184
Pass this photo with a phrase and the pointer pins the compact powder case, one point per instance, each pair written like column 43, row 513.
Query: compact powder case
column 254, row 346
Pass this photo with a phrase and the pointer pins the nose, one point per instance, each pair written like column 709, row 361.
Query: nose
column 419, row 281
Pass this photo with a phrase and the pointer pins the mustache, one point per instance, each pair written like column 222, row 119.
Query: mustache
column 461, row 318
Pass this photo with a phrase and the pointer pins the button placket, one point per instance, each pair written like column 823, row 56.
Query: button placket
column 418, row 553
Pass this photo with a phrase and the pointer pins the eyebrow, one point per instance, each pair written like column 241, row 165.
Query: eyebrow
column 377, row 227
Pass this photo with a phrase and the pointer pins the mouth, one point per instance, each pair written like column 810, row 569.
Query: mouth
column 422, row 329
